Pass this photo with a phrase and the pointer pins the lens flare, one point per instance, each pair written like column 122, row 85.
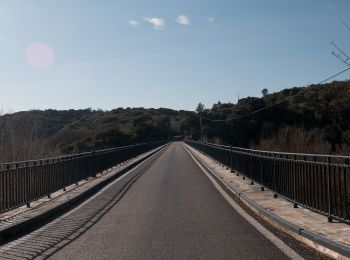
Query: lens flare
column 39, row 55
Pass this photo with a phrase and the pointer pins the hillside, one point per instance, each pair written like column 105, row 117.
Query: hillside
column 317, row 121
column 35, row 134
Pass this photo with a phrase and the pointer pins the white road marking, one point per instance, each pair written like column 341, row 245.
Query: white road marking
column 270, row 236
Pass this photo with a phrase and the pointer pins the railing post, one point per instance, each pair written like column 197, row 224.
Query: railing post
column 236, row 165
column 226, row 160
column 251, row 170
column 245, row 171
column 261, row 176
column 274, row 178
column 93, row 158
column 294, row 183
column 330, row 219
column 231, row 158
column 27, row 195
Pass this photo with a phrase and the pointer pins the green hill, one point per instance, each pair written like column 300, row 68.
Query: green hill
column 34, row 134
column 317, row 121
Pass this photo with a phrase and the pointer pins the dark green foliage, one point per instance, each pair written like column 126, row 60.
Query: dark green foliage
column 264, row 92
column 321, row 114
column 74, row 131
column 200, row 108
column 322, row 110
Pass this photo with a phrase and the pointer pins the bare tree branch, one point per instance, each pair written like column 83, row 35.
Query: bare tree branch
column 340, row 50
column 344, row 23
column 340, row 54
column 340, row 58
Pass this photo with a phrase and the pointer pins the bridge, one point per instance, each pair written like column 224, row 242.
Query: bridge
column 176, row 200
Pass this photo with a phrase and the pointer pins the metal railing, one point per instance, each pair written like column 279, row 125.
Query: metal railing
column 336, row 159
column 320, row 186
column 27, row 181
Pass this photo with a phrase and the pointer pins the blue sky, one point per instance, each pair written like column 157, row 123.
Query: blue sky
column 162, row 53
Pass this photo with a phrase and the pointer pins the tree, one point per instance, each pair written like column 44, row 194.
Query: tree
column 265, row 92
column 200, row 107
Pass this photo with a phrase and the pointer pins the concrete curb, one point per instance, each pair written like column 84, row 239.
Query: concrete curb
column 20, row 228
column 316, row 241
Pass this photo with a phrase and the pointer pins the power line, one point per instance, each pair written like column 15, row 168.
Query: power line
column 274, row 104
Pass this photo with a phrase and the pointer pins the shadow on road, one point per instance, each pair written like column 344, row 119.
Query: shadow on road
column 47, row 240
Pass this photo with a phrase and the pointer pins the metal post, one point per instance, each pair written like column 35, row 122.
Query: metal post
column 93, row 164
column 330, row 219
column 236, row 165
column 294, row 182
column 201, row 129
column 251, row 171
column 274, row 178
column 231, row 158
column 261, row 176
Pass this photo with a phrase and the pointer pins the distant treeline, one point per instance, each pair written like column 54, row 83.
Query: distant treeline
column 316, row 121
column 37, row 134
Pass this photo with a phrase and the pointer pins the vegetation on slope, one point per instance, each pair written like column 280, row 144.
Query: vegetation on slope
column 316, row 121
column 37, row 134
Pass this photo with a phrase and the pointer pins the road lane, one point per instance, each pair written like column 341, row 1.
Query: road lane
column 172, row 212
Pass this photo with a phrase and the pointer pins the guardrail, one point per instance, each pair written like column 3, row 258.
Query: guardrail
column 320, row 186
column 336, row 159
column 24, row 182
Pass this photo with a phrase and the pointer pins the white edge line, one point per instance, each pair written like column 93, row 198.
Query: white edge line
column 266, row 233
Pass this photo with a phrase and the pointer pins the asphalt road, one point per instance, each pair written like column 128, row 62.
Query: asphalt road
column 172, row 211
column 165, row 208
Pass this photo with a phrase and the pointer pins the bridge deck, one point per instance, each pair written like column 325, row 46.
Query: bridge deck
column 165, row 209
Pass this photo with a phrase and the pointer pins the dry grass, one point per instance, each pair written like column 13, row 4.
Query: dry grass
column 27, row 144
column 295, row 139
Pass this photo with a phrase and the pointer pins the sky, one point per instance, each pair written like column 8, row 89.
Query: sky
column 64, row 54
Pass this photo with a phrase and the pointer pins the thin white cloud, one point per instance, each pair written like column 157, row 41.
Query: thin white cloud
column 211, row 19
column 183, row 19
column 133, row 23
column 158, row 23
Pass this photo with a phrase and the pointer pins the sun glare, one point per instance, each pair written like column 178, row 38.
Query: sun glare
column 39, row 55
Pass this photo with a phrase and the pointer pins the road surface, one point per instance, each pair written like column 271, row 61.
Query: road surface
column 171, row 211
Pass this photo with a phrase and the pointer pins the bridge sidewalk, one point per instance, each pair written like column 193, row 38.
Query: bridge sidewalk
column 21, row 219
column 303, row 224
